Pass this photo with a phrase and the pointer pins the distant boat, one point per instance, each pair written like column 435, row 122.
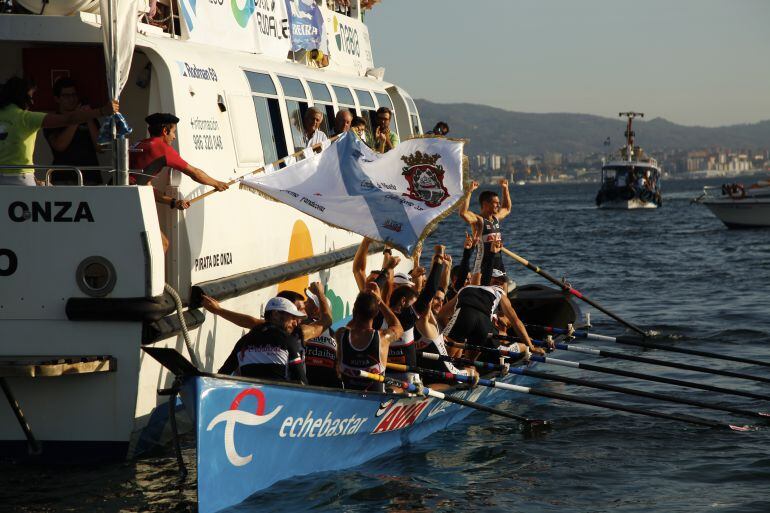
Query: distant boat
column 521, row 182
column 738, row 206
column 633, row 180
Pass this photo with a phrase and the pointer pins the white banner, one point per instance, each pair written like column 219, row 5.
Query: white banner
column 256, row 26
column 393, row 197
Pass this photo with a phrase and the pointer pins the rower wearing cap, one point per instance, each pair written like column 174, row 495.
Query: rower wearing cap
column 151, row 155
column 271, row 351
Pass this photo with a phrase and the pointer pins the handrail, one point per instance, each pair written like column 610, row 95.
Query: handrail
column 50, row 169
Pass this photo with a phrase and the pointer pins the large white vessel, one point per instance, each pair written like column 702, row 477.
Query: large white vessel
column 633, row 180
column 738, row 206
column 82, row 269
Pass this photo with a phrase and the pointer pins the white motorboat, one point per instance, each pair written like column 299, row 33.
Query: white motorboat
column 82, row 269
column 633, row 181
column 738, row 206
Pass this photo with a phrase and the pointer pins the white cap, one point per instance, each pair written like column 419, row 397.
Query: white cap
column 497, row 273
column 313, row 297
column 402, row 279
column 281, row 304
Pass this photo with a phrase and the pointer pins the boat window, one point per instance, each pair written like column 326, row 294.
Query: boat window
column 415, row 124
column 384, row 100
column 296, row 111
column 365, row 99
column 270, row 129
column 320, row 92
column 292, row 87
column 261, row 83
column 344, row 96
column 411, row 105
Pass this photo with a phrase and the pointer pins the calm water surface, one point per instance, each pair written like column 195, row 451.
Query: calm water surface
column 676, row 270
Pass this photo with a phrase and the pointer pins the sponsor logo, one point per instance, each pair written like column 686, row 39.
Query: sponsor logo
column 346, row 38
column 384, row 406
column 320, row 427
column 235, row 416
column 400, row 416
column 425, row 178
column 192, row 71
column 50, row 212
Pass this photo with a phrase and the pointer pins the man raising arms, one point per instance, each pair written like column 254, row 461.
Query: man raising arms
column 488, row 219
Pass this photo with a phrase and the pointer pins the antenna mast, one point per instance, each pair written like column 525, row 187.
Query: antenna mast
column 630, row 133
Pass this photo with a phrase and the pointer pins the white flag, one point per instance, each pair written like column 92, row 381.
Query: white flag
column 392, row 197
column 119, row 20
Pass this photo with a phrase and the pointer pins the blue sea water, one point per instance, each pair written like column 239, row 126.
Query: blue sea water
column 676, row 270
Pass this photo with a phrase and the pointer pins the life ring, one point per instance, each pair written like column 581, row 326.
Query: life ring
column 736, row 191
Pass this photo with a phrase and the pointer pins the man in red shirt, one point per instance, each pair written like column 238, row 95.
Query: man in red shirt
column 156, row 153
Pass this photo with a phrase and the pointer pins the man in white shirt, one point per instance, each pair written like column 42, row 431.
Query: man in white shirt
column 311, row 123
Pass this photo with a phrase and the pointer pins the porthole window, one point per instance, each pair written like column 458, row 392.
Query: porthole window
column 96, row 276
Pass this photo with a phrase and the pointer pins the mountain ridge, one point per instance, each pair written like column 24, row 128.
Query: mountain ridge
column 495, row 130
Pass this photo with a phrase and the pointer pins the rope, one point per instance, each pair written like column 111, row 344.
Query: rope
column 180, row 315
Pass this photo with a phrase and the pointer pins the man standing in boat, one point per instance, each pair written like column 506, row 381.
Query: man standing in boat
column 488, row 219
column 153, row 154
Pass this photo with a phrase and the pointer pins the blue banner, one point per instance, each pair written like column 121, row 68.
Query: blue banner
column 306, row 24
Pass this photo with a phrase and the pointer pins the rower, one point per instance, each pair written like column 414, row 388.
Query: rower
column 469, row 316
column 361, row 346
column 271, row 351
column 320, row 351
column 492, row 212
column 430, row 338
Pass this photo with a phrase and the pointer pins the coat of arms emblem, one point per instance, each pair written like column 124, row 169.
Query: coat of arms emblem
column 425, row 178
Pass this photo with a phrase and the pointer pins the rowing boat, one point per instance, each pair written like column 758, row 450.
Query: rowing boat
column 252, row 433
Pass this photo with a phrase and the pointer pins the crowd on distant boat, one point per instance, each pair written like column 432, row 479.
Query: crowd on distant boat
column 397, row 317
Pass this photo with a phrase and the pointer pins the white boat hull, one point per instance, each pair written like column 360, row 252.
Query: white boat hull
column 627, row 204
column 741, row 213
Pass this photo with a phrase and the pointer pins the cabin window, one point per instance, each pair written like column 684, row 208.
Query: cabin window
column 261, row 83
column 292, row 87
column 384, row 101
column 295, row 108
column 267, row 108
column 413, row 117
column 344, row 97
column 365, row 99
column 322, row 99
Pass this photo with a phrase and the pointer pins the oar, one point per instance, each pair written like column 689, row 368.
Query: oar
column 624, row 373
column 595, row 384
column 274, row 164
column 429, row 392
column 644, row 359
column 574, row 292
column 601, row 404
column 633, row 341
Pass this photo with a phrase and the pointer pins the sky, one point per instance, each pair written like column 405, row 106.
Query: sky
column 692, row 62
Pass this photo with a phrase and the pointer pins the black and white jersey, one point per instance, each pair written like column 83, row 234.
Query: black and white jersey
column 269, row 352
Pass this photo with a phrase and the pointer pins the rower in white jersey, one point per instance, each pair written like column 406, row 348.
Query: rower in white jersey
column 469, row 315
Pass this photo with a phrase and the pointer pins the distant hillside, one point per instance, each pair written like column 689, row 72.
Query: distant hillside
column 505, row 132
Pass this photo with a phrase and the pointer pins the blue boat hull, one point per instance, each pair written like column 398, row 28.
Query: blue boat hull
column 252, row 434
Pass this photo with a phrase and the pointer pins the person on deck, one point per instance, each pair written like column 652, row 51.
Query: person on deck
column 358, row 125
column 488, row 219
column 151, row 155
column 270, row 350
column 363, row 347
column 384, row 139
column 19, row 126
column 74, row 145
column 311, row 124
column 342, row 121
column 441, row 128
